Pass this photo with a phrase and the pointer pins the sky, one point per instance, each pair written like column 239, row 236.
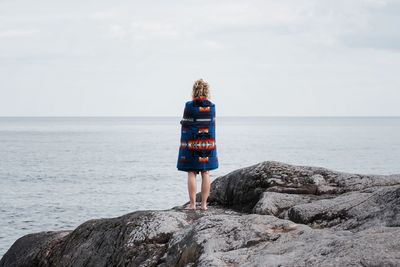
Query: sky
column 140, row 58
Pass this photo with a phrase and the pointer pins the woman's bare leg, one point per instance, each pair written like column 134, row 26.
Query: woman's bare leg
column 192, row 189
column 205, row 188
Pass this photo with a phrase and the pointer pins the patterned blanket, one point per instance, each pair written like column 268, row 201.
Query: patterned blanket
column 198, row 150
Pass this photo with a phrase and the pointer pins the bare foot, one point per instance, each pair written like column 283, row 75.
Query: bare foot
column 203, row 208
column 190, row 207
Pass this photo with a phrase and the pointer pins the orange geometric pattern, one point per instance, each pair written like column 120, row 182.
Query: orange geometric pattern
column 203, row 159
column 203, row 130
column 204, row 109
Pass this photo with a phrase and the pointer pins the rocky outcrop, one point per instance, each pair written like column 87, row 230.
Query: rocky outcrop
column 268, row 214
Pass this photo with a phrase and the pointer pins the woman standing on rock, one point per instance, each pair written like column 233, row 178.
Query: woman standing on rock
column 198, row 151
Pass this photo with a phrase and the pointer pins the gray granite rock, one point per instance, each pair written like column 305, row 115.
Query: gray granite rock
column 272, row 203
column 268, row 214
column 359, row 209
column 243, row 188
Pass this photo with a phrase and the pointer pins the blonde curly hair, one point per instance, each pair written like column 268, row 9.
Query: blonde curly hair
column 200, row 89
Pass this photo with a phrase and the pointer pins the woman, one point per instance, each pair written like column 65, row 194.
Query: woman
column 198, row 151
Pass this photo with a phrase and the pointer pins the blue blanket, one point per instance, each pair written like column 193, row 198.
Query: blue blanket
column 198, row 150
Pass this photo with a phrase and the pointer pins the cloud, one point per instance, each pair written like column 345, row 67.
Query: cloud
column 212, row 45
column 9, row 34
column 302, row 52
column 380, row 29
column 117, row 31
column 142, row 31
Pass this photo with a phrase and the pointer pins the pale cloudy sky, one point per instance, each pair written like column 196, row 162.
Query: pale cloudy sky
column 110, row 58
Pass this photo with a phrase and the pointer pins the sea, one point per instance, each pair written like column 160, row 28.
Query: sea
column 58, row 172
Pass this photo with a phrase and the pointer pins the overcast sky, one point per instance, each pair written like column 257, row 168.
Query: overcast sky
column 263, row 58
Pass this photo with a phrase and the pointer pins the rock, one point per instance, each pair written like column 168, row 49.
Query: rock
column 353, row 210
column 268, row 214
column 242, row 189
column 313, row 247
column 29, row 249
column 212, row 239
column 273, row 203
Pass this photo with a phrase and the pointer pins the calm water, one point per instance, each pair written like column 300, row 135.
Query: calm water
column 56, row 173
